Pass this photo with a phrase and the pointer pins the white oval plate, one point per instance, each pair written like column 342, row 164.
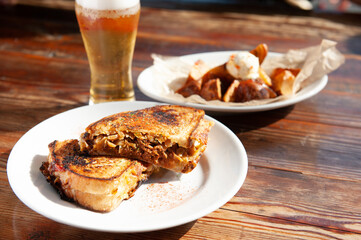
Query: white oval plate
column 166, row 200
column 146, row 83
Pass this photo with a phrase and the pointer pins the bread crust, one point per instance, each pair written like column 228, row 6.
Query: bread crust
column 96, row 183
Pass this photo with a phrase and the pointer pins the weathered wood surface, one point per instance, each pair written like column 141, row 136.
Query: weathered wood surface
column 304, row 179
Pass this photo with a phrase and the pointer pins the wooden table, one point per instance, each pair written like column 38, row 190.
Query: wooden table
column 304, row 177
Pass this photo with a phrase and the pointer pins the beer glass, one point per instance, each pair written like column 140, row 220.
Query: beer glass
column 108, row 29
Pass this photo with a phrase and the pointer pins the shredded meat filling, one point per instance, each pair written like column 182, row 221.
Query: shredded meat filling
column 143, row 147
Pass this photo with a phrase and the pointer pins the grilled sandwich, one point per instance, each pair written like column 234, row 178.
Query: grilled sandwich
column 172, row 137
column 96, row 183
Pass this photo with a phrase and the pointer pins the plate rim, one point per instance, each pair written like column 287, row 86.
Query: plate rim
column 321, row 84
column 139, row 104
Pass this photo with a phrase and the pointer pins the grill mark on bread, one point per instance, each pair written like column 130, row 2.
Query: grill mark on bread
column 104, row 179
column 74, row 160
column 168, row 117
column 77, row 160
column 73, row 157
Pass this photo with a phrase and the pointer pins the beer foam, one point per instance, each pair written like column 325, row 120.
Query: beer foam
column 107, row 4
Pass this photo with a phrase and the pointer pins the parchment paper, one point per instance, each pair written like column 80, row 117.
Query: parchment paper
column 171, row 73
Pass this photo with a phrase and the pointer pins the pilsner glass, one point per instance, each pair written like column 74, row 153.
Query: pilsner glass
column 108, row 29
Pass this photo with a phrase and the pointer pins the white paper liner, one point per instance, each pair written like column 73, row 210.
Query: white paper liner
column 171, row 73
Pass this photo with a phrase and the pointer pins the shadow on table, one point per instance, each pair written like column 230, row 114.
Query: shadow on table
column 44, row 187
column 245, row 122
column 35, row 21
column 354, row 44
column 4, row 157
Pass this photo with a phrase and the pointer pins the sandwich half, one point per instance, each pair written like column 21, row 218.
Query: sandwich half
column 168, row 136
column 96, row 183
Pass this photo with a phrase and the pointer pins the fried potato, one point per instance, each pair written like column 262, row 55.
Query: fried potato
column 264, row 77
column 194, row 81
column 261, row 52
column 198, row 70
column 253, row 90
column 283, row 80
column 190, row 87
column 211, row 90
column 294, row 71
column 230, row 95
column 219, row 72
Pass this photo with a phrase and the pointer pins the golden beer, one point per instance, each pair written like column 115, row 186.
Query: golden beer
column 109, row 38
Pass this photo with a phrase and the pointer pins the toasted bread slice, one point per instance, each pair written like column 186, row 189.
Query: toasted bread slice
column 172, row 137
column 96, row 183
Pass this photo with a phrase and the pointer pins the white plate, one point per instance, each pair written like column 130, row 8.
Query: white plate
column 166, row 200
column 146, row 83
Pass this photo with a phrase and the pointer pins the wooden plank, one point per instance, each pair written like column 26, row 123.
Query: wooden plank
column 57, row 4
column 293, row 196
column 221, row 29
column 242, row 32
column 309, row 148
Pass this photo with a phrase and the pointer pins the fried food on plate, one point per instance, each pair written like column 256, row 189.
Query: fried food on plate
column 283, row 80
column 211, row 90
column 261, row 52
column 244, row 91
column 194, row 81
column 225, row 82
